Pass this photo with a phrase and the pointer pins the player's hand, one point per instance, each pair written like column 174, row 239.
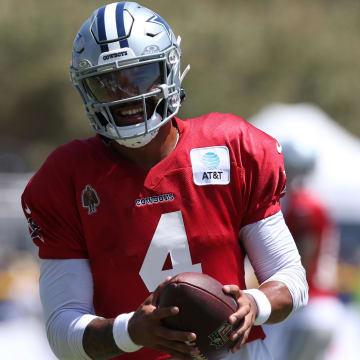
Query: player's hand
column 145, row 328
column 243, row 319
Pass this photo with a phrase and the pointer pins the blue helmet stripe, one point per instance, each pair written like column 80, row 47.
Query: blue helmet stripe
column 101, row 28
column 120, row 24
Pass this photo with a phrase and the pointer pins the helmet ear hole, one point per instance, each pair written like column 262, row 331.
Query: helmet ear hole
column 182, row 94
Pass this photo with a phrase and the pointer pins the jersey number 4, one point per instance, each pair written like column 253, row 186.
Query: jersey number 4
column 169, row 238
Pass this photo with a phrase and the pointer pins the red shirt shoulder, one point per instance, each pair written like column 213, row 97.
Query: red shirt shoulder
column 249, row 143
column 255, row 154
column 256, row 157
column 49, row 199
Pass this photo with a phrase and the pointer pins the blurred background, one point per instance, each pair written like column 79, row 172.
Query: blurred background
column 290, row 68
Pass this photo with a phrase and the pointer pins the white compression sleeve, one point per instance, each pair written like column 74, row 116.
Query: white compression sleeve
column 274, row 256
column 66, row 292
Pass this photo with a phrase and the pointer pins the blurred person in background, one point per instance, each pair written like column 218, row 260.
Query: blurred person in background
column 312, row 334
column 107, row 211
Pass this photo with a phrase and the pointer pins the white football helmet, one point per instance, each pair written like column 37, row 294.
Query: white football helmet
column 299, row 159
column 126, row 67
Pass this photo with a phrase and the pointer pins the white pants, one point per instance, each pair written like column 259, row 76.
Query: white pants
column 310, row 334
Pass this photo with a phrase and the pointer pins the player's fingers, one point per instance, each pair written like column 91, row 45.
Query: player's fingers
column 241, row 342
column 247, row 323
column 159, row 289
column 161, row 313
column 233, row 290
column 239, row 315
column 242, row 332
column 186, row 337
column 246, row 335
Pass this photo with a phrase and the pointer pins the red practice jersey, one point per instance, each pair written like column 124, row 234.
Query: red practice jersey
column 137, row 227
column 316, row 237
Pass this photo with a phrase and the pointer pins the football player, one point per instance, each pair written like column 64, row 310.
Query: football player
column 150, row 196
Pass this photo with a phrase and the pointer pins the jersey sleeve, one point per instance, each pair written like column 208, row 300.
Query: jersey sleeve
column 265, row 178
column 49, row 205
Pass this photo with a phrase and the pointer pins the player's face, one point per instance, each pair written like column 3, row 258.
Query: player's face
column 124, row 84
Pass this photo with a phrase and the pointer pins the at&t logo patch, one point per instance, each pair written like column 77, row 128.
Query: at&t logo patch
column 210, row 165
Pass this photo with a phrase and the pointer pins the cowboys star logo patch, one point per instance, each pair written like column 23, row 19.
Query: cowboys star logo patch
column 90, row 199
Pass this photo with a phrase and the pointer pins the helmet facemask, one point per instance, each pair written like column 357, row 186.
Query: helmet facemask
column 129, row 102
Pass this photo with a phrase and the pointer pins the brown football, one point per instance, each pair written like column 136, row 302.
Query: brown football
column 204, row 310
